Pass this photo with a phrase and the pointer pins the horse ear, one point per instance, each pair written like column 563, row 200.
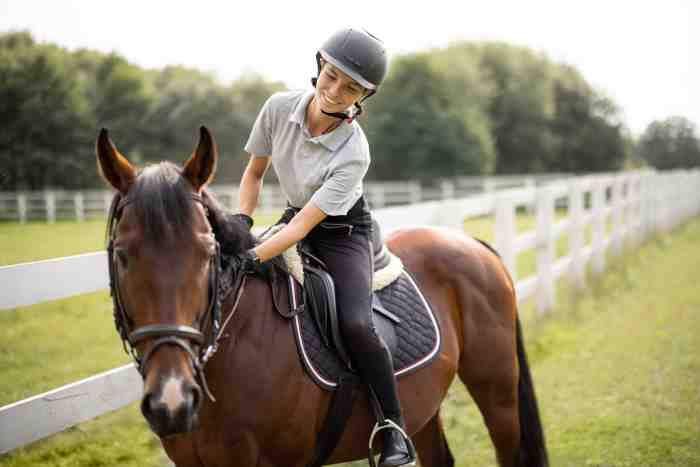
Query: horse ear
column 113, row 166
column 200, row 167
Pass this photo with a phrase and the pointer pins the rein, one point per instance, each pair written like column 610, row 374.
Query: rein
column 200, row 347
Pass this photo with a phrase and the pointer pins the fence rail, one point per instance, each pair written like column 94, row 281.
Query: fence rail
column 621, row 210
column 53, row 205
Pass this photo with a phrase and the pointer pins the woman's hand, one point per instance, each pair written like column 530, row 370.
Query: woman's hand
column 300, row 225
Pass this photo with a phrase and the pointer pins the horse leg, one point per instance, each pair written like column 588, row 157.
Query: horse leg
column 489, row 369
column 431, row 445
column 497, row 399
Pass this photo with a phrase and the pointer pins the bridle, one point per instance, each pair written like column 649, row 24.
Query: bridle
column 200, row 347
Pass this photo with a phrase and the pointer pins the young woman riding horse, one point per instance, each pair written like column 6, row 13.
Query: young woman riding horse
column 320, row 155
column 165, row 229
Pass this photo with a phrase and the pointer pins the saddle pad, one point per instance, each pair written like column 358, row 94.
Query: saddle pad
column 418, row 335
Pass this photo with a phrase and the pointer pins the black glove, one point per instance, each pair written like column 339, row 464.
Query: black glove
column 248, row 262
column 244, row 218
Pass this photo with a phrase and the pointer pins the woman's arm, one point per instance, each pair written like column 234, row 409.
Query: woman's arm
column 251, row 183
column 300, row 225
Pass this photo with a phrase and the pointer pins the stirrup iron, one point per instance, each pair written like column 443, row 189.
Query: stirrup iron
column 388, row 424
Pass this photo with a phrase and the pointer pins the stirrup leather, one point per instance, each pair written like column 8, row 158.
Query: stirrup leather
column 388, row 424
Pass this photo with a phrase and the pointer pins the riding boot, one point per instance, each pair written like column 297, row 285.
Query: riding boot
column 377, row 370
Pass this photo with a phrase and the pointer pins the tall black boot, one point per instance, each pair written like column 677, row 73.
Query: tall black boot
column 377, row 370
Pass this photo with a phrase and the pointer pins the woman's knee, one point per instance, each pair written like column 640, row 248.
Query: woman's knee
column 358, row 330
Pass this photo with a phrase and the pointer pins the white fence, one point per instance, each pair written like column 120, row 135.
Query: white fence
column 621, row 209
column 52, row 205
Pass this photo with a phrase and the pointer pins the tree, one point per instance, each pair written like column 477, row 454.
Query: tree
column 670, row 144
column 586, row 127
column 416, row 131
column 44, row 138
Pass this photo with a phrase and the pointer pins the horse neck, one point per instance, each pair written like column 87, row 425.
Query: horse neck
column 259, row 340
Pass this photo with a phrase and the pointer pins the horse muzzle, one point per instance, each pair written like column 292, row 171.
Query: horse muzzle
column 173, row 409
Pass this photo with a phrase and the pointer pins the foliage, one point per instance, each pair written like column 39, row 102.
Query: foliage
column 466, row 109
column 55, row 102
column 417, row 131
column 672, row 143
column 45, row 116
column 479, row 108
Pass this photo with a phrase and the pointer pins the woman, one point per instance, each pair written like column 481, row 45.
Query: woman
column 321, row 155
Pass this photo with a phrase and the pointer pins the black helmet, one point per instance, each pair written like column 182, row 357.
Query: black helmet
column 358, row 54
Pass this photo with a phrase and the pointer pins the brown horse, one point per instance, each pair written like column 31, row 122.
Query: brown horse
column 163, row 252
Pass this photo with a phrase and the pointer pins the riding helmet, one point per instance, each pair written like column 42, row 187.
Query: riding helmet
column 358, row 54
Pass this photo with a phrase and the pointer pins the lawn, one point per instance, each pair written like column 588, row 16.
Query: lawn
column 616, row 371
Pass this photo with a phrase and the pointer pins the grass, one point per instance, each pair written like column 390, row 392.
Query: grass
column 616, row 370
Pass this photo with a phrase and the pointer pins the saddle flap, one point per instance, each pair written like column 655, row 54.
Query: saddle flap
column 319, row 292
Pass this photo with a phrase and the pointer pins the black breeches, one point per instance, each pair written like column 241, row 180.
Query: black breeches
column 348, row 257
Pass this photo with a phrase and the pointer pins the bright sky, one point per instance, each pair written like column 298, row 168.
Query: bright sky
column 643, row 54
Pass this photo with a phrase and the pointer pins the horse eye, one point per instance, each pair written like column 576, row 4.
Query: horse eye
column 121, row 257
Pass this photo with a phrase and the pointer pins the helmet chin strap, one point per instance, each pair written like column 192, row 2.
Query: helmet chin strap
column 340, row 115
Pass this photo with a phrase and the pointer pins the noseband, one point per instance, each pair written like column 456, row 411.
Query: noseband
column 191, row 339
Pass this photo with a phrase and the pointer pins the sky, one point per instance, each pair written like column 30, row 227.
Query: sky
column 643, row 54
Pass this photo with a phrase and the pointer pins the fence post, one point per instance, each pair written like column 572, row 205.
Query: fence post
column 505, row 234
column 379, row 198
column 488, row 184
column 233, row 197
column 577, row 272
column 617, row 204
column 598, row 242
column 545, row 250
column 106, row 201
column 78, row 201
column 416, row 193
column 530, row 184
column 50, row 201
column 22, row 208
column 632, row 218
column 447, row 188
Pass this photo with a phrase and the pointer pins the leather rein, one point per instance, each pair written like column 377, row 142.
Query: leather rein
column 200, row 347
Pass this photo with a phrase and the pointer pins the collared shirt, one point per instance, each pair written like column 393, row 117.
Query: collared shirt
column 326, row 170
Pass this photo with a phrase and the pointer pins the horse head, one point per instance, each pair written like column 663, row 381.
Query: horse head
column 163, row 259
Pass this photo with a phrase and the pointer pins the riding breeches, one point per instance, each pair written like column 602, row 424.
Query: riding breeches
column 347, row 253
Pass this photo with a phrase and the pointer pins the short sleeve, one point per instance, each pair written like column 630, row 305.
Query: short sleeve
column 260, row 139
column 340, row 191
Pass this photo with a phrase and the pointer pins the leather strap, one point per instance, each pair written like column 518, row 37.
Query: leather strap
column 336, row 419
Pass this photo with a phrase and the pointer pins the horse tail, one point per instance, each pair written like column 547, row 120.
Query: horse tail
column 532, row 452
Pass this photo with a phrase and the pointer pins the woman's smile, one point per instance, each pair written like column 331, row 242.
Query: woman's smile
column 328, row 100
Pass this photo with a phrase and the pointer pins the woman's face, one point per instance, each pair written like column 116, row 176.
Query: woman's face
column 336, row 91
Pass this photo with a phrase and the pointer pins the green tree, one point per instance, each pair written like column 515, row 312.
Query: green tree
column 670, row 144
column 416, row 130
column 44, row 138
column 120, row 98
column 586, row 128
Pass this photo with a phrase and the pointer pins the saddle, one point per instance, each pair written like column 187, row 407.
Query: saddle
column 401, row 315
column 319, row 298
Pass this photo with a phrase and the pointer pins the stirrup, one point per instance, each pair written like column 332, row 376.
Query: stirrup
column 388, row 424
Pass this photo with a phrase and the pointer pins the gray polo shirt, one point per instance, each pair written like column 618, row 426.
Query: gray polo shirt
column 326, row 170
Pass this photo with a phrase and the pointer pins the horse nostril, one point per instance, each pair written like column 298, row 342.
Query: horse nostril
column 196, row 396
column 146, row 404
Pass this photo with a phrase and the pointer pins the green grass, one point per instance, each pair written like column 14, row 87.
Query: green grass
column 616, row 370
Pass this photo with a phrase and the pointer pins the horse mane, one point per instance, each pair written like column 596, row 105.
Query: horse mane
column 161, row 200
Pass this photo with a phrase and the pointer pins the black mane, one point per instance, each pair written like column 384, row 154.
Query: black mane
column 162, row 203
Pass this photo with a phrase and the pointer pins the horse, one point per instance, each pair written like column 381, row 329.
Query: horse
column 251, row 403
